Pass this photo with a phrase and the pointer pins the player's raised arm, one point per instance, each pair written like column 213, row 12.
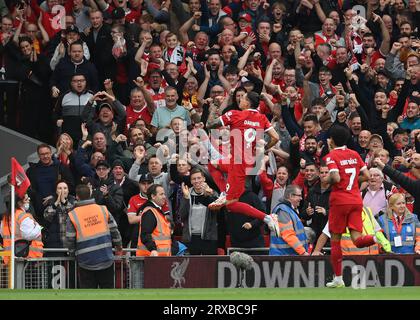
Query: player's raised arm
column 364, row 175
column 214, row 123
column 274, row 138
column 214, row 120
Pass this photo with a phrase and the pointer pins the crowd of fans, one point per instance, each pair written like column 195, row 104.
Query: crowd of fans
column 123, row 89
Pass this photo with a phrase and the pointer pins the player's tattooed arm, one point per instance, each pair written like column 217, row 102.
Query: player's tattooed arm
column 364, row 175
column 274, row 138
column 213, row 123
column 334, row 177
column 213, row 120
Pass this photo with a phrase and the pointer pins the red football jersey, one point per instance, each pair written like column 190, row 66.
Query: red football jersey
column 246, row 128
column 135, row 203
column 132, row 115
column 348, row 163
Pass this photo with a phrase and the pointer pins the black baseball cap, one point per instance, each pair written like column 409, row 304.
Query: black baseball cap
column 146, row 177
column 72, row 28
column 102, row 163
column 105, row 105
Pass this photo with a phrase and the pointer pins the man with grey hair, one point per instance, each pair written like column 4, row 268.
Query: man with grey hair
column 377, row 192
column 292, row 239
column 163, row 115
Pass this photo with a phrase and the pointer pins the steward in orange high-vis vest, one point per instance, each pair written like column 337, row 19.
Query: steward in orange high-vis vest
column 90, row 234
column 155, row 227
column 26, row 228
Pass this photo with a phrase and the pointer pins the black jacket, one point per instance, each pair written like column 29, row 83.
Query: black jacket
column 8, row 60
column 129, row 188
column 65, row 69
column 114, row 200
column 43, row 180
column 101, row 51
column 239, row 236
column 410, row 185
column 317, row 198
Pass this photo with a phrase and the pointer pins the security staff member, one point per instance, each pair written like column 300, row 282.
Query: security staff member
column 26, row 228
column 155, row 226
column 91, row 232
column 292, row 240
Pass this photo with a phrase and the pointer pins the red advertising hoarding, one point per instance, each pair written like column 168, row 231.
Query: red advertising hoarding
column 218, row 272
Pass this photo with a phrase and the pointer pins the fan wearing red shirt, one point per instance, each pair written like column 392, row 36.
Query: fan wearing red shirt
column 369, row 43
column 346, row 203
column 246, row 128
column 135, row 204
column 141, row 105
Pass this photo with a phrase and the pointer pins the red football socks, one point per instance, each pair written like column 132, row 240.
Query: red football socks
column 364, row 241
column 246, row 209
column 336, row 257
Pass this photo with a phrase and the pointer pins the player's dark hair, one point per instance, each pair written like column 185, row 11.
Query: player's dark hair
column 339, row 134
column 254, row 99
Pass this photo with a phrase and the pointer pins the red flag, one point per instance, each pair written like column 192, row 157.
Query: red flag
column 19, row 179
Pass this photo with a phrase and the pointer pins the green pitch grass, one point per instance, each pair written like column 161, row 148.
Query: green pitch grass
column 403, row 293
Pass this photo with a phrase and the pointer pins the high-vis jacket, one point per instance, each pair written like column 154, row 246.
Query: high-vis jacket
column 292, row 240
column 36, row 245
column 161, row 236
column 347, row 246
column 410, row 232
column 93, row 236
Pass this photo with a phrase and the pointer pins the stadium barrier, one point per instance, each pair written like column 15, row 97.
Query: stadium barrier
column 218, row 272
column 61, row 273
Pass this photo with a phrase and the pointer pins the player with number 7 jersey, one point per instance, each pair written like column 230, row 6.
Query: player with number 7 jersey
column 348, row 164
column 247, row 126
column 346, row 202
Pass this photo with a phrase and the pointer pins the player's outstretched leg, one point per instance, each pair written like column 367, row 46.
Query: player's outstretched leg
column 361, row 241
column 246, row 209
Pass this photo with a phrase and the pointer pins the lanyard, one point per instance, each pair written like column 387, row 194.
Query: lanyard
column 398, row 226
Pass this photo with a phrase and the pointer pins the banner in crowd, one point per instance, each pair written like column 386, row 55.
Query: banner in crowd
column 282, row 272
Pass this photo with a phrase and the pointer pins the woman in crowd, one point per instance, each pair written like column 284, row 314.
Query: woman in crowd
column 55, row 215
column 401, row 227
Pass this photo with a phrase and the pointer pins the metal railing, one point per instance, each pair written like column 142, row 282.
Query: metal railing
column 4, row 271
column 61, row 272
